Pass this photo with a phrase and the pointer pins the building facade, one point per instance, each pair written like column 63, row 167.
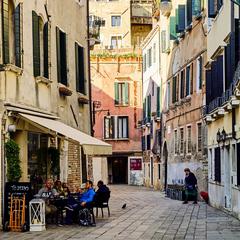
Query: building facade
column 45, row 91
column 116, row 78
column 222, row 105
column 151, row 123
column 182, row 55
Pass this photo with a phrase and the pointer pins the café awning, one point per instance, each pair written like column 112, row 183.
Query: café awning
column 91, row 145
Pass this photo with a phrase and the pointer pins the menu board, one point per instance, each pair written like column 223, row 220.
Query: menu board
column 17, row 190
column 135, row 164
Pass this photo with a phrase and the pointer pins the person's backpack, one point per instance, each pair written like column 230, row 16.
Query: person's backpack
column 84, row 217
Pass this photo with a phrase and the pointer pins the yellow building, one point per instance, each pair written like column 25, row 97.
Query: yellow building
column 45, row 91
column 222, row 105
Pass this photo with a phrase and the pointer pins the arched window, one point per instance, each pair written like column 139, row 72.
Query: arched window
column 40, row 33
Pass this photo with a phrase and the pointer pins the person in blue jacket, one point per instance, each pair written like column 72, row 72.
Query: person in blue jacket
column 84, row 201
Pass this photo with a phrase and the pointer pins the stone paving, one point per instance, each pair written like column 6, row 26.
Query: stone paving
column 148, row 215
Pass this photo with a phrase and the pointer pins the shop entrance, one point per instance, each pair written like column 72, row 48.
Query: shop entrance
column 118, row 170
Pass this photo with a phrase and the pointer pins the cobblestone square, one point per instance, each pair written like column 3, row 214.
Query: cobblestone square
column 148, row 215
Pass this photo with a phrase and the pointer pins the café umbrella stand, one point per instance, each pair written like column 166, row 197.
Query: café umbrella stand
column 37, row 215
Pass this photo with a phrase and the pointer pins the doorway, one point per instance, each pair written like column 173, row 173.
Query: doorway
column 118, row 170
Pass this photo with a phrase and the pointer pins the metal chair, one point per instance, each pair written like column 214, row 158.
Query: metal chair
column 101, row 201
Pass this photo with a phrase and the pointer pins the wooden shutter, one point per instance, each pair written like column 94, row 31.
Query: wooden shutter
column 181, row 18
column 238, row 164
column 189, row 12
column 188, row 81
column 116, row 89
column 46, row 48
column 163, row 40
column 208, row 86
column 63, row 57
column 5, row 31
column 58, row 54
column 144, row 108
column 173, row 89
column 126, row 89
column 219, row 79
column 182, row 83
column 36, row 44
column 149, row 106
column 212, row 10
column 217, row 165
column 18, row 35
column 213, row 79
column 177, row 88
column 196, row 7
column 173, row 34
column 158, row 101
column 177, row 19
column 191, row 79
column 81, row 62
column 200, row 72
column 77, row 67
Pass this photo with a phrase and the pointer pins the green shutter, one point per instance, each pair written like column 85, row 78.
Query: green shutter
column 58, row 54
column 126, row 88
column 196, row 7
column 177, row 19
column 5, row 31
column 158, row 101
column 77, row 67
column 18, row 35
column 36, row 44
column 46, row 49
column 173, row 34
column 181, row 18
column 116, row 88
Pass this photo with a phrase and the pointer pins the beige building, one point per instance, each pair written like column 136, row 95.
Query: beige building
column 45, row 90
column 222, row 106
column 182, row 56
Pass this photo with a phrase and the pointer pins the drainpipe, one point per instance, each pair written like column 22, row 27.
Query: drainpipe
column 89, row 73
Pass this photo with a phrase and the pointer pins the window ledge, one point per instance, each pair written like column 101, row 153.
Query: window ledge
column 11, row 68
column 64, row 90
column 116, row 139
column 82, row 99
column 41, row 79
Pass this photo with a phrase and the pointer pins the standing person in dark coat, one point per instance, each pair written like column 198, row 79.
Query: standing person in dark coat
column 190, row 186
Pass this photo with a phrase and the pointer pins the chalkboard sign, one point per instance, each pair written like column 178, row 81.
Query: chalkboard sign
column 17, row 189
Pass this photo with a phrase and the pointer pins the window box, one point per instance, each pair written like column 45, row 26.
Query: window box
column 64, row 90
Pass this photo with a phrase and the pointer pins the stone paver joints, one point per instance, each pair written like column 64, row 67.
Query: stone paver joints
column 148, row 215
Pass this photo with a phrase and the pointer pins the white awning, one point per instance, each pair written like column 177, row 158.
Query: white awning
column 91, row 145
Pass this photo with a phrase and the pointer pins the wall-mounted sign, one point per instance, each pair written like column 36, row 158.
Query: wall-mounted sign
column 135, row 164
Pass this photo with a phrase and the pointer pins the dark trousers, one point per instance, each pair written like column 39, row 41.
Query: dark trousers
column 191, row 194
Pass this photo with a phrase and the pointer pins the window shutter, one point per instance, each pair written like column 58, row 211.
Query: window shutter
column 212, row 11
column 18, row 35
column 177, row 19
column 149, row 106
column 200, row 72
column 189, row 12
column 191, row 78
column 196, row 7
column 36, row 44
column 181, row 18
column 188, row 81
column 182, row 83
column 208, row 86
column 177, row 88
column 219, row 79
column 116, row 88
column 58, row 54
column 81, row 64
column 144, row 108
column 63, row 58
column 238, row 164
column 5, row 31
column 143, row 143
column 163, row 40
column 126, row 88
column 217, row 164
column 173, row 34
column 46, row 48
column 77, row 67
column 158, row 101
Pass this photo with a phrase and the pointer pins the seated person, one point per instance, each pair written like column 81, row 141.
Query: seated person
column 100, row 196
column 102, row 187
column 46, row 193
column 58, row 187
column 66, row 191
column 84, row 201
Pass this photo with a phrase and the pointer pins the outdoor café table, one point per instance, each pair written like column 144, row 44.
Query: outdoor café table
column 59, row 203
